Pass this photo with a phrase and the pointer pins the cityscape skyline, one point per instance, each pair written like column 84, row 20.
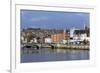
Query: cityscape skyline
column 53, row 19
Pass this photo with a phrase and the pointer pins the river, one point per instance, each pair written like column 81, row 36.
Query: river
column 49, row 54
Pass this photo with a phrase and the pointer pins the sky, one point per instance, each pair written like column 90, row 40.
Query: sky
column 53, row 19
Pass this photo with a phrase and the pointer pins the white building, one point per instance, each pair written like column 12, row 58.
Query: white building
column 48, row 40
column 64, row 41
column 83, row 36
column 78, row 35
column 72, row 32
column 35, row 40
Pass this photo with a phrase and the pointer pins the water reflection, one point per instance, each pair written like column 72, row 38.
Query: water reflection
column 49, row 54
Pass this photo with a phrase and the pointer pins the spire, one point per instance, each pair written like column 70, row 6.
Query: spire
column 84, row 26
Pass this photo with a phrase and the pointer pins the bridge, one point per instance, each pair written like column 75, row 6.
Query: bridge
column 38, row 45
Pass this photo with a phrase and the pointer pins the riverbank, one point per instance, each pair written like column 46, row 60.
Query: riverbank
column 55, row 46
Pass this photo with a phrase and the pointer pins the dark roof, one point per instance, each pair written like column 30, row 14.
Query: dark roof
column 79, row 31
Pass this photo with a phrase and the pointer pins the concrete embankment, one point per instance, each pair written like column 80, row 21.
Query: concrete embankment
column 61, row 46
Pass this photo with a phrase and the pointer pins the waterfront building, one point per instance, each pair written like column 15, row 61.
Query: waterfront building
column 35, row 40
column 48, row 40
column 59, row 37
column 72, row 30
column 78, row 36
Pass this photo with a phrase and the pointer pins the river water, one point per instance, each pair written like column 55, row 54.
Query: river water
column 49, row 54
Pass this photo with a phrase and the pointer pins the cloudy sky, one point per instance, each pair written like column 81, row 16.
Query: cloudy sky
column 53, row 19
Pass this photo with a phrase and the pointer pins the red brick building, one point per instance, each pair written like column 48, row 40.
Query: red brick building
column 59, row 37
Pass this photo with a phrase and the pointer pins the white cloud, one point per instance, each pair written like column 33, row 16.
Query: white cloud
column 39, row 18
column 79, row 14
